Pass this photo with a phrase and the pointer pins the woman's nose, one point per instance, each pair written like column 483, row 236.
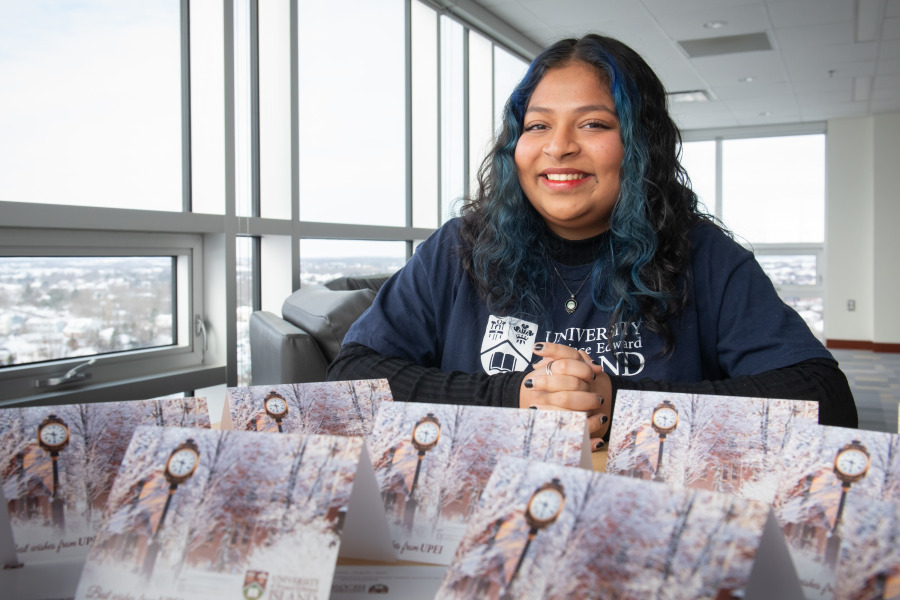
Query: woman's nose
column 561, row 144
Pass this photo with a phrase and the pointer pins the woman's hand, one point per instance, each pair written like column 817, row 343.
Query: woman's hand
column 567, row 379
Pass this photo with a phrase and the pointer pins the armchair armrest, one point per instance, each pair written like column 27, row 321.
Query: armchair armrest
column 283, row 353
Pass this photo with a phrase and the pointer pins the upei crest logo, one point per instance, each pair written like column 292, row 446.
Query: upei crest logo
column 255, row 584
column 507, row 344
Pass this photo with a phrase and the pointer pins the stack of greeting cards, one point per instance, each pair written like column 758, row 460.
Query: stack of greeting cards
column 58, row 464
column 214, row 514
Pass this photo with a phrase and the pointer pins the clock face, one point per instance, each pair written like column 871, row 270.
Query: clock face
column 852, row 462
column 426, row 433
column 276, row 405
column 53, row 434
column 182, row 462
column 665, row 418
column 545, row 504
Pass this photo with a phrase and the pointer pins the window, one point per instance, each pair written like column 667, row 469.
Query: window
column 123, row 301
column 83, row 125
column 212, row 164
column 770, row 191
column 352, row 125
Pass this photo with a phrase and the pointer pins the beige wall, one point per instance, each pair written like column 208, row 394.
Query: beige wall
column 862, row 229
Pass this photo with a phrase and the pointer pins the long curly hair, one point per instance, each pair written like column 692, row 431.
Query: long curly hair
column 504, row 251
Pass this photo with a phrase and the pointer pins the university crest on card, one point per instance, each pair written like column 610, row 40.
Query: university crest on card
column 255, row 584
column 507, row 344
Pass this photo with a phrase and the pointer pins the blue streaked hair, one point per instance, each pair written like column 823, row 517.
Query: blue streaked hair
column 504, row 251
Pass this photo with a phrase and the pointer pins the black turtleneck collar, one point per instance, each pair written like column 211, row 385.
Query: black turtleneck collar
column 575, row 252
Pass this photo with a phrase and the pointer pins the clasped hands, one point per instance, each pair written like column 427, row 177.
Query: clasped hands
column 572, row 382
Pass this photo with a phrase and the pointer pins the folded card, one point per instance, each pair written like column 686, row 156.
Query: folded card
column 837, row 500
column 325, row 407
column 214, row 514
column 547, row 531
column 720, row 443
column 433, row 460
column 59, row 462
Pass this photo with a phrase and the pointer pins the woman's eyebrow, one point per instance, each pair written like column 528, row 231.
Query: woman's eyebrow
column 581, row 109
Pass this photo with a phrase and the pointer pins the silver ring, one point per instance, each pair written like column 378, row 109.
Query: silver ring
column 547, row 368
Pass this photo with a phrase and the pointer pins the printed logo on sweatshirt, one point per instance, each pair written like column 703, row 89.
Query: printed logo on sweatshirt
column 507, row 344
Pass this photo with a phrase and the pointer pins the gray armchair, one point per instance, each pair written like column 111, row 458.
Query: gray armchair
column 298, row 346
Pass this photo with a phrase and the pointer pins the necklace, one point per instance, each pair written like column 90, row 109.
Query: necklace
column 571, row 303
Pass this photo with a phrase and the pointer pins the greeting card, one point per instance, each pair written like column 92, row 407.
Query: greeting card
column 214, row 514
column 432, row 462
column 719, row 443
column 544, row 531
column 58, row 464
column 326, row 407
column 837, row 502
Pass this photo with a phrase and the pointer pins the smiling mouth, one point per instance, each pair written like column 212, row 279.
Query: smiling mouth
column 565, row 176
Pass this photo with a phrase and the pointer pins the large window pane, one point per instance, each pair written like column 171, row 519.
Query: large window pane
column 481, row 102
column 324, row 260
column 91, row 97
column 352, row 103
column 453, row 171
column 53, row 307
column 699, row 160
column 207, row 107
column 424, row 116
column 773, row 189
column 508, row 72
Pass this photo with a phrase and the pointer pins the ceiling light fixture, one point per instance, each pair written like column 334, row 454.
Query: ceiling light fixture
column 689, row 96
column 747, row 79
column 715, row 24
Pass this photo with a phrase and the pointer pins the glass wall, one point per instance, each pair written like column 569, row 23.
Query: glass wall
column 770, row 192
column 204, row 159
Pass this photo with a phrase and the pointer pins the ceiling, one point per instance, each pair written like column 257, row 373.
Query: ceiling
column 828, row 59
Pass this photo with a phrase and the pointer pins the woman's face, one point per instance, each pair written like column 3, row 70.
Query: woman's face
column 570, row 151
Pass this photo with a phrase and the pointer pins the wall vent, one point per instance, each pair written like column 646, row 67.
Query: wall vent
column 729, row 44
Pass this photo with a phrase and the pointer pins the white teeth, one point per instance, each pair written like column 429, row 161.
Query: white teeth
column 565, row 176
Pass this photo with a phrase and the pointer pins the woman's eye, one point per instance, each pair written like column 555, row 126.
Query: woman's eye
column 535, row 126
column 597, row 125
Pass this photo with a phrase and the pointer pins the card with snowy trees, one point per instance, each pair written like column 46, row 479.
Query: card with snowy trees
column 432, row 462
column 219, row 514
column 58, row 464
column 543, row 531
column 838, row 502
column 326, row 407
column 719, row 443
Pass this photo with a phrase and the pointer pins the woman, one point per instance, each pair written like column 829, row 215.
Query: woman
column 585, row 240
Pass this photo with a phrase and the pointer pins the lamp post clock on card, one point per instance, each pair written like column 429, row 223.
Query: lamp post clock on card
column 53, row 437
column 851, row 463
column 544, row 507
column 664, row 421
column 425, row 436
column 276, row 407
column 180, row 466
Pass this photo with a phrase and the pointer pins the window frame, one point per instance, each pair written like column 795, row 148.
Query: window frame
column 19, row 381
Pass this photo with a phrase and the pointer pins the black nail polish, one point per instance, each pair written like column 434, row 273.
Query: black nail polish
column 604, row 419
column 533, row 407
column 598, row 445
column 529, row 383
column 602, row 400
column 539, row 347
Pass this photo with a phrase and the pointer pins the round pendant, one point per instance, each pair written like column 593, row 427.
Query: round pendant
column 571, row 305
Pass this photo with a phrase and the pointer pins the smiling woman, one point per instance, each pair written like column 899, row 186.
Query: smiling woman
column 570, row 152
column 583, row 265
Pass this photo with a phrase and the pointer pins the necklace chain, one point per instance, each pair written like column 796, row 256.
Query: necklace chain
column 571, row 304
